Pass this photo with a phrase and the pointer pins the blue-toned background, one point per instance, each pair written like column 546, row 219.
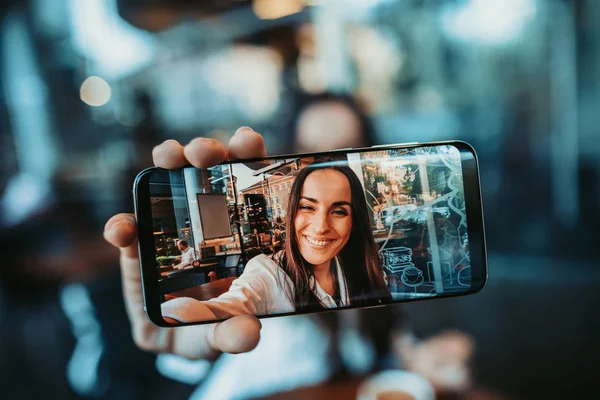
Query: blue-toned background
column 88, row 87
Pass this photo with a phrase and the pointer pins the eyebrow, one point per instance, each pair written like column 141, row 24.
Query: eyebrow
column 337, row 203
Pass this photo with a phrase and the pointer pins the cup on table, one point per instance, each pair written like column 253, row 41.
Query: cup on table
column 395, row 385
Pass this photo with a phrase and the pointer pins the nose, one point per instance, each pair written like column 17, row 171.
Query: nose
column 320, row 223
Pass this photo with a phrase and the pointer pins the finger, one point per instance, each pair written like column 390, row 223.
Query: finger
column 236, row 335
column 121, row 232
column 246, row 143
column 169, row 155
column 205, row 152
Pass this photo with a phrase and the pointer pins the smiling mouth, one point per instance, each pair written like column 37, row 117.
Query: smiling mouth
column 317, row 243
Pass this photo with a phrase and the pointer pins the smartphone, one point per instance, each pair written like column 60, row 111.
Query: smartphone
column 306, row 233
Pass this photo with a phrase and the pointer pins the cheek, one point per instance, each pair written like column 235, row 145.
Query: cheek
column 300, row 223
column 344, row 228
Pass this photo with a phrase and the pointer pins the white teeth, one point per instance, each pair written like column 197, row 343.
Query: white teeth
column 317, row 242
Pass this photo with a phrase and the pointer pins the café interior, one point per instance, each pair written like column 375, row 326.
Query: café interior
column 225, row 219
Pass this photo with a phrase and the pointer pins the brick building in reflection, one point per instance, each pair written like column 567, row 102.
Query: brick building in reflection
column 276, row 191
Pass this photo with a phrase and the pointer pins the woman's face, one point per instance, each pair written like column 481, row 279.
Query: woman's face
column 324, row 219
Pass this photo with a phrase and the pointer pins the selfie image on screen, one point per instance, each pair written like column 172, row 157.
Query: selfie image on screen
column 310, row 233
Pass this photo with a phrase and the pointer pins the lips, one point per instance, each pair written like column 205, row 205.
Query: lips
column 317, row 243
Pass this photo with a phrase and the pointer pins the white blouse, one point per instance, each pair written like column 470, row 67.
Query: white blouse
column 257, row 291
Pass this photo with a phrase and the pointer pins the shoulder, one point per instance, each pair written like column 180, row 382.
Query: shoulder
column 261, row 287
column 263, row 274
column 262, row 263
column 265, row 268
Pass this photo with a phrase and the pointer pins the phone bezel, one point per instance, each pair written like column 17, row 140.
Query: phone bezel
column 474, row 211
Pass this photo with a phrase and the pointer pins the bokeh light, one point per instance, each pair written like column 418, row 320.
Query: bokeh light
column 273, row 9
column 95, row 91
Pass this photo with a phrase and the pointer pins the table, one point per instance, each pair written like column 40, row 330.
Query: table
column 228, row 253
column 347, row 388
column 203, row 267
column 205, row 291
column 164, row 270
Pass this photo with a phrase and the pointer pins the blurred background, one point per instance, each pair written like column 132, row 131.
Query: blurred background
column 88, row 87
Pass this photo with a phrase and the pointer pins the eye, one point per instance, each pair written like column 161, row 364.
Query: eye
column 340, row 211
column 306, row 207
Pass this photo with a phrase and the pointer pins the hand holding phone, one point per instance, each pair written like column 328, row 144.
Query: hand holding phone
column 236, row 335
column 356, row 228
column 412, row 243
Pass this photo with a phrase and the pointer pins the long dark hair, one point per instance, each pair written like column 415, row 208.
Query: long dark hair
column 359, row 258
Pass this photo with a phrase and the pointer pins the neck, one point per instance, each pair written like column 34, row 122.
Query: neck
column 321, row 270
column 323, row 276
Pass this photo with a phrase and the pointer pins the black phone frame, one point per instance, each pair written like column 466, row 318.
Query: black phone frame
column 473, row 205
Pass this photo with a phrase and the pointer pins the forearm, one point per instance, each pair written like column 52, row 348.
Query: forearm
column 181, row 265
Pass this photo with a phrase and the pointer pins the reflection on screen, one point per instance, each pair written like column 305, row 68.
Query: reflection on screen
column 382, row 226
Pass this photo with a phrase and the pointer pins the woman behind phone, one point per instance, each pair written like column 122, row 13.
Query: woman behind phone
column 329, row 260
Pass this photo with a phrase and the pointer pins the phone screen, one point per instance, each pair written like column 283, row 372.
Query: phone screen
column 303, row 234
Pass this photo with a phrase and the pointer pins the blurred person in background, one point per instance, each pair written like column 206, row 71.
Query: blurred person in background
column 324, row 121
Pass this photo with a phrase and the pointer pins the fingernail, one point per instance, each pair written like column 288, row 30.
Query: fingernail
column 119, row 225
column 204, row 139
column 167, row 141
column 129, row 220
column 243, row 128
